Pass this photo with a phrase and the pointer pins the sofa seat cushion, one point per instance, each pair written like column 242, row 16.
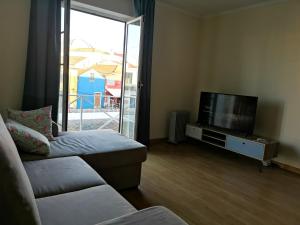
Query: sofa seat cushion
column 56, row 176
column 86, row 207
column 151, row 216
column 108, row 148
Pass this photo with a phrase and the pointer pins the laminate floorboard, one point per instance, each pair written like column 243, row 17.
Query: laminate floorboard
column 210, row 186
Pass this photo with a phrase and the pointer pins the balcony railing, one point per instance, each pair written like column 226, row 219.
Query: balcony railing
column 97, row 111
column 100, row 108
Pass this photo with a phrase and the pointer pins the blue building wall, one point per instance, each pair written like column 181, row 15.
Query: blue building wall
column 86, row 86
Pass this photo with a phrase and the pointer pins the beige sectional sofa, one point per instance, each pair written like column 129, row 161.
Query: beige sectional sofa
column 66, row 191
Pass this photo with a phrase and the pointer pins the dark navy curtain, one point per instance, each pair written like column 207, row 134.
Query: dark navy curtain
column 147, row 9
column 41, row 86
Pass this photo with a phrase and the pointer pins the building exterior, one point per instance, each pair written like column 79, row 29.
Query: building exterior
column 91, row 90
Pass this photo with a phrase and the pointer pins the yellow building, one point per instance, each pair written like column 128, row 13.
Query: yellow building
column 73, row 84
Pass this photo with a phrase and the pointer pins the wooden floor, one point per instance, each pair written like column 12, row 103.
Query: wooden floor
column 206, row 185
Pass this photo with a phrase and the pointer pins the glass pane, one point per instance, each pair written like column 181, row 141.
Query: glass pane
column 62, row 16
column 62, row 48
column 95, row 72
column 131, row 79
column 60, row 101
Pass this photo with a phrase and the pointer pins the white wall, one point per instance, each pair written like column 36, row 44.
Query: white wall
column 14, row 23
column 175, row 63
column 257, row 52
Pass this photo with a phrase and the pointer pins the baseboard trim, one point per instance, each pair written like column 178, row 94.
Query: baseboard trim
column 287, row 167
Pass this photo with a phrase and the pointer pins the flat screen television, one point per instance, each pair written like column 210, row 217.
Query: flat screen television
column 229, row 112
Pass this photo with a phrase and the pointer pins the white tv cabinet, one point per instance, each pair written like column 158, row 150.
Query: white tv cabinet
column 251, row 146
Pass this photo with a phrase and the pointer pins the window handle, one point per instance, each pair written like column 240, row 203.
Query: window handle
column 140, row 85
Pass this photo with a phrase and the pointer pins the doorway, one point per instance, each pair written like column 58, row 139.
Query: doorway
column 100, row 87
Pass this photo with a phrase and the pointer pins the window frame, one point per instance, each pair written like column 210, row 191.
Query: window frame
column 65, row 63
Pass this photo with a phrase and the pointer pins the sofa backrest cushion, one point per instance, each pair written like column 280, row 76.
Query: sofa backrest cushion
column 17, row 202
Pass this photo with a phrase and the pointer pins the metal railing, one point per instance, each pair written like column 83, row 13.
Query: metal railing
column 100, row 101
column 94, row 103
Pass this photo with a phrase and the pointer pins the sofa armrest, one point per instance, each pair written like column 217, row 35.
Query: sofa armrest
column 151, row 216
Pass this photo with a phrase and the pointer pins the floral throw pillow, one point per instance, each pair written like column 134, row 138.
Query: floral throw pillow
column 39, row 120
column 27, row 139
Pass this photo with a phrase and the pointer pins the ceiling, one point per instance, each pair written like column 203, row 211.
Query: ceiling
column 208, row 7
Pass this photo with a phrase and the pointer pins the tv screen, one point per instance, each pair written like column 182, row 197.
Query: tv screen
column 231, row 112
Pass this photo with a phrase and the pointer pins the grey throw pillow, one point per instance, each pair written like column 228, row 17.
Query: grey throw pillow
column 27, row 139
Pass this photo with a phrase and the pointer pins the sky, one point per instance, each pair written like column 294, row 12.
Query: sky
column 97, row 32
column 88, row 30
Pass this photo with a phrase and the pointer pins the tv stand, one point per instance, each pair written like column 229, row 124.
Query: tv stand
column 252, row 146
